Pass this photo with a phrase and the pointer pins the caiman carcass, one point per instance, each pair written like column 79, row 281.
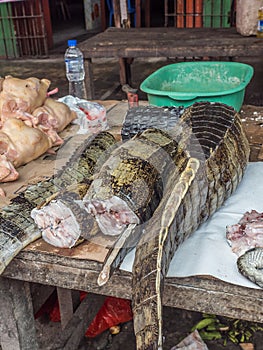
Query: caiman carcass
column 17, row 227
column 155, row 190
column 219, row 152
column 125, row 191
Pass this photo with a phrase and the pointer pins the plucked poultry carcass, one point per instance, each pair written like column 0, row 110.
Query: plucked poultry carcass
column 22, row 96
column 52, row 117
column 19, row 144
column 29, row 122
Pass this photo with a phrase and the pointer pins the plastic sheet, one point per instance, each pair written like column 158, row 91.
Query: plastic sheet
column 113, row 312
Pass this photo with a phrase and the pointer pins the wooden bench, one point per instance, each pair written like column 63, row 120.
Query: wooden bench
column 78, row 269
column 126, row 44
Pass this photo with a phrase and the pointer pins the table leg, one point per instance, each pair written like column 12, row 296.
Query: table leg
column 17, row 324
column 103, row 15
column 89, row 79
column 166, row 13
column 65, row 305
column 75, row 329
column 138, row 13
column 123, row 78
column 147, row 14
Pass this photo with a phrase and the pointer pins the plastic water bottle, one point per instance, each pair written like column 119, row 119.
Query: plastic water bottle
column 75, row 71
column 260, row 23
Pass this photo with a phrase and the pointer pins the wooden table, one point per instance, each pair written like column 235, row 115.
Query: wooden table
column 126, row 44
column 78, row 269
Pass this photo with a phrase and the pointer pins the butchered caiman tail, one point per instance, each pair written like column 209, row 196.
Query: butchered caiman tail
column 17, row 227
column 190, row 198
column 130, row 184
column 129, row 187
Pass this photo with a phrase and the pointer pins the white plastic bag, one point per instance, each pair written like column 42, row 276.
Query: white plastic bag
column 91, row 115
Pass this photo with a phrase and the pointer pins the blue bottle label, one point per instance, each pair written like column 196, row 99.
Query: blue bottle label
column 260, row 25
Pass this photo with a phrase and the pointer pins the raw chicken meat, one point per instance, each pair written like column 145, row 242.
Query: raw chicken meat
column 247, row 233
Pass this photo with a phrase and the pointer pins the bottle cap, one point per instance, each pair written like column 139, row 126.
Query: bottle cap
column 72, row 42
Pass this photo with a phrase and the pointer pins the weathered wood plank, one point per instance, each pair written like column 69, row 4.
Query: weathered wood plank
column 170, row 42
column 60, row 275
column 123, row 43
column 17, row 327
column 195, row 293
column 65, row 305
column 73, row 333
column 210, row 295
column 40, row 295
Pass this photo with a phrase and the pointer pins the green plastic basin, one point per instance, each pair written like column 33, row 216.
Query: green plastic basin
column 182, row 84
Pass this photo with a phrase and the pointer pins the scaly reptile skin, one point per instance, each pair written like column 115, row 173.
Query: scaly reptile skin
column 17, row 228
column 250, row 264
column 219, row 153
column 137, row 171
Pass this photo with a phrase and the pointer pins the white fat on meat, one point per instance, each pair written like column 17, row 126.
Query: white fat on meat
column 22, row 95
column 112, row 215
column 52, row 118
column 57, row 224
column 7, row 170
column 56, row 114
column 21, row 143
column 247, row 233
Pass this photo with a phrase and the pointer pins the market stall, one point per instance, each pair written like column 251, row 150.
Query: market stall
column 78, row 268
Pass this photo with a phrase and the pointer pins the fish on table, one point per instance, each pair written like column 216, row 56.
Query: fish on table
column 246, row 241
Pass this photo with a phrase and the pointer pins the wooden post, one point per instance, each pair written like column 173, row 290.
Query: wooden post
column 89, row 84
column 117, row 13
column 138, row 13
column 48, row 25
column 103, row 15
column 189, row 13
column 198, row 13
column 65, row 305
column 180, row 13
column 147, row 13
column 17, row 324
